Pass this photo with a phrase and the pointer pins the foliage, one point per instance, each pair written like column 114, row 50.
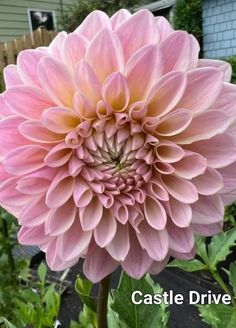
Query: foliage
column 87, row 317
column 188, row 17
column 82, row 8
column 142, row 315
column 122, row 313
column 23, row 302
column 220, row 315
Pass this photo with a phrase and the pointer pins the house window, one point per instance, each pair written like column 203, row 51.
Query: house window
column 41, row 18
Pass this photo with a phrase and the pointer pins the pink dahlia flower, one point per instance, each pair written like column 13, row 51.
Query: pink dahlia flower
column 118, row 145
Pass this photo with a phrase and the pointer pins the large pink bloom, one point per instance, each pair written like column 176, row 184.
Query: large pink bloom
column 117, row 144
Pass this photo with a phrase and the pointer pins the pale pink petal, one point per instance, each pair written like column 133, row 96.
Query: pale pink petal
column 208, row 210
column 35, row 131
column 10, row 134
column 203, row 88
column 73, row 49
column 137, row 262
column 223, row 66
column 137, row 31
column 226, row 100
column 181, row 189
column 190, row 166
column 11, row 76
column 157, row 267
column 34, row 212
column 105, row 230
column 73, row 242
column 27, row 65
column 220, row 151
column 228, row 174
column 155, row 213
column 142, row 70
column 60, row 219
column 91, row 214
column 115, row 92
column 120, row 16
column 55, row 47
column 25, row 159
column 118, row 248
column 82, row 193
column 105, row 46
column 60, row 190
column 208, row 183
column 21, row 98
column 156, row 242
column 58, row 155
column 181, row 239
column 174, row 122
column 207, row 229
column 180, row 213
column 98, row 263
column 93, row 23
column 60, row 119
column 217, row 123
column 5, row 109
column 87, row 82
column 10, row 196
column 164, row 27
column 32, row 236
column 169, row 152
column 166, row 93
column 56, row 80
column 185, row 52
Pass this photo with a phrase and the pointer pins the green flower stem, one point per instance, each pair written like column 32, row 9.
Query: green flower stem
column 223, row 285
column 102, row 300
column 7, row 246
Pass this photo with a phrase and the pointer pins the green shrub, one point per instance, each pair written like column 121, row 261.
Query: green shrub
column 188, row 17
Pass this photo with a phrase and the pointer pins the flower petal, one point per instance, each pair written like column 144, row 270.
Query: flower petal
column 155, row 213
column 203, row 88
column 105, row 46
column 98, row 263
column 174, row 122
column 105, row 230
column 73, row 49
column 56, row 81
column 118, row 248
column 91, row 214
column 190, row 166
column 222, row 65
column 208, row 183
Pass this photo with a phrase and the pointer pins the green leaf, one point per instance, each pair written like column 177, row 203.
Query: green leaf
column 83, row 288
column 138, row 315
column 42, row 272
column 113, row 319
column 6, row 322
column 220, row 246
column 189, row 266
column 201, row 248
column 232, row 276
column 218, row 315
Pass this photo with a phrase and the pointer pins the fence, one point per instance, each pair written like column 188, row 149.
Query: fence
column 9, row 50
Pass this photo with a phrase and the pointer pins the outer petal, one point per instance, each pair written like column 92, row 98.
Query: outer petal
column 98, row 263
column 119, row 17
column 22, row 98
column 142, row 70
column 105, row 230
column 166, row 93
column 93, row 23
column 223, row 66
column 73, row 242
column 181, row 239
column 203, row 88
column 73, row 49
column 56, row 81
column 118, row 248
column 105, row 46
column 137, row 262
column 11, row 76
column 137, row 31
column 27, row 64
column 185, row 52
column 210, row 182
column 91, row 214
column 154, row 213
